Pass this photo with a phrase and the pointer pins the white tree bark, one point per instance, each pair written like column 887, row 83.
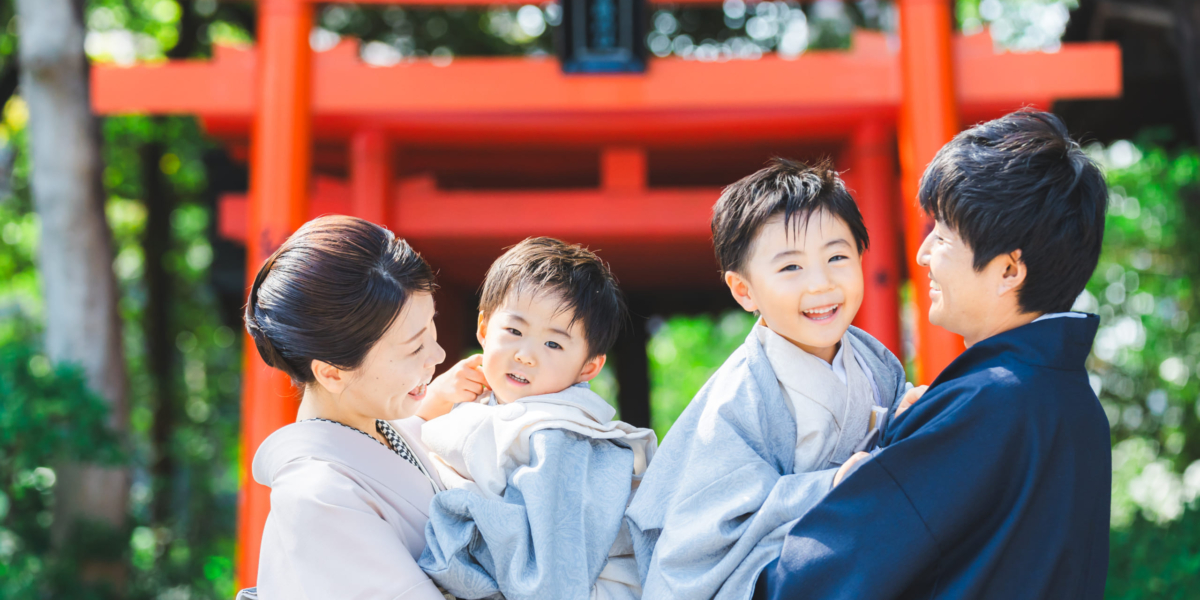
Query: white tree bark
column 75, row 255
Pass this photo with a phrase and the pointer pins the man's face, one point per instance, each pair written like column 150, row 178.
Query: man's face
column 531, row 347
column 807, row 282
column 961, row 299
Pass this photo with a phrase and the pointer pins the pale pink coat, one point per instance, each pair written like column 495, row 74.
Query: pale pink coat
column 347, row 515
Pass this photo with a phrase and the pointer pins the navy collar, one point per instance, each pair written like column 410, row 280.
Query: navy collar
column 1061, row 344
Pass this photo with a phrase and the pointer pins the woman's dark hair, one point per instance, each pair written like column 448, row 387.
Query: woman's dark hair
column 1021, row 183
column 330, row 292
column 587, row 287
column 794, row 190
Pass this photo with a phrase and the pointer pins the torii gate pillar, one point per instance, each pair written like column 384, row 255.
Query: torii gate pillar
column 281, row 148
column 928, row 119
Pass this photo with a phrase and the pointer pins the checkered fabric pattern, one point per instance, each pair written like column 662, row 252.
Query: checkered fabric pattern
column 395, row 443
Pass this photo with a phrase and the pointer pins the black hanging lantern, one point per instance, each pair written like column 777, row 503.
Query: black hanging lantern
column 603, row 36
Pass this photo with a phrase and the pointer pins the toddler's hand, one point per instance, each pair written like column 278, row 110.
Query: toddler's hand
column 463, row 382
column 910, row 398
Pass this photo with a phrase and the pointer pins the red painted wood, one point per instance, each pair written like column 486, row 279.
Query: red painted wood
column 370, row 176
column 928, row 119
column 871, row 177
column 280, row 159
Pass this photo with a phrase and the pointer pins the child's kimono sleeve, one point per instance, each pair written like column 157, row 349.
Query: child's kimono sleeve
column 548, row 536
column 718, row 499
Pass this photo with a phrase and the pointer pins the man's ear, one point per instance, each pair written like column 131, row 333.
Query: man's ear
column 481, row 328
column 740, row 289
column 591, row 368
column 330, row 377
column 1014, row 273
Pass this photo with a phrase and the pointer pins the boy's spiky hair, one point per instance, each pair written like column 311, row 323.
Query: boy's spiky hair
column 786, row 187
column 586, row 285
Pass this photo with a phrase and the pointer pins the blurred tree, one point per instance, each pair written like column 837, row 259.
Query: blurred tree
column 75, row 256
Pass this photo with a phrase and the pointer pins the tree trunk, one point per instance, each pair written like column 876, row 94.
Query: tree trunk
column 160, row 346
column 75, row 253
column 1187, row 33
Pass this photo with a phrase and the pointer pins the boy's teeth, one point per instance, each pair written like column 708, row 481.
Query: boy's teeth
column 518, row 378
column 820, row 311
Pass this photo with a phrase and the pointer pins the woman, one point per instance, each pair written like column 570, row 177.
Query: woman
column 346, row 310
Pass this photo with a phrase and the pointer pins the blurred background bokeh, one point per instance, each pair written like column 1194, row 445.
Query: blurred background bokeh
column 181, row 285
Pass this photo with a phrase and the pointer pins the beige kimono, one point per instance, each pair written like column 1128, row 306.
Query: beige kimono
column 347, row 515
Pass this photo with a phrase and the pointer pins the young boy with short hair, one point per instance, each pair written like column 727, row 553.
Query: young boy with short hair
column 538, row 472
column 763, row 440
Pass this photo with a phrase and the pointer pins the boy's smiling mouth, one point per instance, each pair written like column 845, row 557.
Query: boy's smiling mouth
column 518, row 379
column 822, row 314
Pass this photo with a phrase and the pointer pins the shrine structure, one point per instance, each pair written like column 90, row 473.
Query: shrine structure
column 467, row 158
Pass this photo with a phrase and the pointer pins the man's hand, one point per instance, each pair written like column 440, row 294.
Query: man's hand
column 846, row 466
column 910, row 398
column 463, row 382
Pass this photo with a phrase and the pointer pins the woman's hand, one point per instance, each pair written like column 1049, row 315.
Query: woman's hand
column 910, row 398
column 463, row 382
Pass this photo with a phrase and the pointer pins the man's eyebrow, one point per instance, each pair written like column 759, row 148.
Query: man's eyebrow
column 414, row 338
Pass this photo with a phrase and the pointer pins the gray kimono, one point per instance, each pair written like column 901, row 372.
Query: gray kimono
column 720, row 496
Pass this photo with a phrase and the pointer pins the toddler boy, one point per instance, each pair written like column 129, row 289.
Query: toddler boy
column 538, row 472
column 763, row 440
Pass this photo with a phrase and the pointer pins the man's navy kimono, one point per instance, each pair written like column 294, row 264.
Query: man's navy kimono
column 996, row 484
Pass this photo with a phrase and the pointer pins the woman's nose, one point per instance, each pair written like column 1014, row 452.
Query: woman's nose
column 438, row 356
column 923, row 251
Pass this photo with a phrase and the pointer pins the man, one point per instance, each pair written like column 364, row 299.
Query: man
column 997, row 483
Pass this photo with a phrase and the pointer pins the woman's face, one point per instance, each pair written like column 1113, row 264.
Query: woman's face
column 391, row 382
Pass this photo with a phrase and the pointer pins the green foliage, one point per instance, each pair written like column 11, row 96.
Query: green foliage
column 1150, row 561
column 49, row 418
column 1147, row 351
column 684, row 352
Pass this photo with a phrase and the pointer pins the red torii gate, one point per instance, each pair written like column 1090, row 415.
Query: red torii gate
column 275, row 103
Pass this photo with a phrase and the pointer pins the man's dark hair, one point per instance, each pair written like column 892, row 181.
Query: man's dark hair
column 1021, row 183
column 585, row 284
column 785, row 187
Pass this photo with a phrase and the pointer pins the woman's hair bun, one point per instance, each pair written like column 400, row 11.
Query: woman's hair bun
column 329, row 293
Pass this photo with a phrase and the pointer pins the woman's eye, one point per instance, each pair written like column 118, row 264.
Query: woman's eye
column 553, row 345
column 790, row 268
column 512, row 331
column 418, row 350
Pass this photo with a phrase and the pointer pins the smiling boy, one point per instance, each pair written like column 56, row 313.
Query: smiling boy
column 538, row 472
column 763, row 439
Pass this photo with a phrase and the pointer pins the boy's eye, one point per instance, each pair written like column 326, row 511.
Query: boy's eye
column 553, row 345
column 790, row 268
column 837, row 258
column 512, row 331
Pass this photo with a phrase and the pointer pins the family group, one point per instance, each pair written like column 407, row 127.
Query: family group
column 806, row 467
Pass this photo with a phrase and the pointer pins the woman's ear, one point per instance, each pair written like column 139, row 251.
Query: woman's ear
column 1014, row 272
column 740, row 289
column 591, row 368
column 481, row 328
column 330, row 377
